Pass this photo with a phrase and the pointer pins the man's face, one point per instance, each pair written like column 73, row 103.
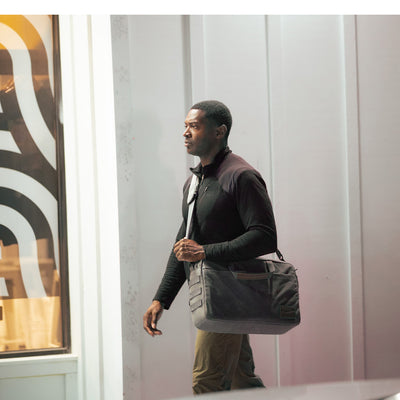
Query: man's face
column 200, row 137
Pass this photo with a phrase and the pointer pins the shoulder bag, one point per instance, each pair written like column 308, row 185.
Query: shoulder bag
column 255, row 296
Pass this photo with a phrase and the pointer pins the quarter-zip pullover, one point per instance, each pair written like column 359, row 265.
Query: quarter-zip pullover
column 232, row 219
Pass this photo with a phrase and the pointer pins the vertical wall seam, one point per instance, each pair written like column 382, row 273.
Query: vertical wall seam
column 187, row 63
column 360, row 189
column 269, row 97
column 348, row 199
column 271, row 165
column 353, row 186
column 188, row 101
column 96, row 207
column 197, row 63
column 82, row 380
column 204, row 53
column 187, row 71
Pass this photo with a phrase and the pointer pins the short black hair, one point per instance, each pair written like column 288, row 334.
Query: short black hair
column 216, row 111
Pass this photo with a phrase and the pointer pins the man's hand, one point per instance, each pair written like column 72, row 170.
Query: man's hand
column 151, row 317
column 189, row 250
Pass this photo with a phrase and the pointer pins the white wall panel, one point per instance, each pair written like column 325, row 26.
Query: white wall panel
column 378, row 40
column 43, row 388
column 236, row 73
column 127, row 219
column 309, row 192
column 92, row 205
column 152, row 170
column 295, row 85
column 41, row 377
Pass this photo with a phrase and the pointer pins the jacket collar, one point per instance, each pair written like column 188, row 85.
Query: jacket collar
column 199, row 170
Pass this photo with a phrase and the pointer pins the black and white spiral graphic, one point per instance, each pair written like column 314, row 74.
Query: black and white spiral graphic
column 28, row 160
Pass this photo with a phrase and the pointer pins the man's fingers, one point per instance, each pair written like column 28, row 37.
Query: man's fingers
column 154, row 320
column 178, row 245
column 183, row 247
column 188, row 250
column 146, row 324
column 151, row 317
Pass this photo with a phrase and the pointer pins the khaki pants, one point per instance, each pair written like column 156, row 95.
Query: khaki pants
column 223, row 361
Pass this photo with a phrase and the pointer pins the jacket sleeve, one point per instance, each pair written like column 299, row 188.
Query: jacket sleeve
column 255, row 210
column 174, row 276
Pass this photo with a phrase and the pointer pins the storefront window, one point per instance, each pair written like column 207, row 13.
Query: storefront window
column 34, row 313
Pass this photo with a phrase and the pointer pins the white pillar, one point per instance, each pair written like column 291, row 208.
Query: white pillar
column 92, row 206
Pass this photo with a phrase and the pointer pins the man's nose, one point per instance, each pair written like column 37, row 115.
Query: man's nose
column 186, row 132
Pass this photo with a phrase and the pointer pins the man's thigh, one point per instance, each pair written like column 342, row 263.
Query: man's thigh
column 216, row 359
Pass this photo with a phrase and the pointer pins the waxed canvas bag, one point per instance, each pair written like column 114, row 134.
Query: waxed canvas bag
column 256, row 296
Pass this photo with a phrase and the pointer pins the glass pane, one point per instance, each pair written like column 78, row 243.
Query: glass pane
column 32, row 270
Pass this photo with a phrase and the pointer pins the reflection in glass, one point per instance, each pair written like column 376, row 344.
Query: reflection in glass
column 31, row 274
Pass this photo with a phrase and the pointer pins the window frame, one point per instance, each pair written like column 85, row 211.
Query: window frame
column 62, row 215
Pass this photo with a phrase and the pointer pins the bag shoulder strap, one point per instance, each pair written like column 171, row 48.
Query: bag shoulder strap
column 191, row 199
column 279, row 254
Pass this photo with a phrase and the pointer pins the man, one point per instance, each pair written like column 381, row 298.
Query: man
column 232, row 221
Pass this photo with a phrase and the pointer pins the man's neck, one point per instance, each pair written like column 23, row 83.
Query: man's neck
column 209, row 158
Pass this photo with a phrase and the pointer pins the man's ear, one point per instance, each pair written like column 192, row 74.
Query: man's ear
column 221, row 131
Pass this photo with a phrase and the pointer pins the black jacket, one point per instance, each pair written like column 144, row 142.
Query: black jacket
column 233, row 219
